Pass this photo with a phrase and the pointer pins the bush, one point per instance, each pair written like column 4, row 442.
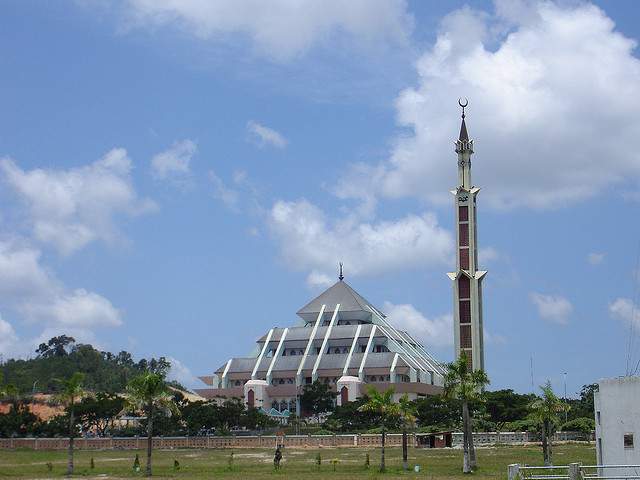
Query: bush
column 323, row 432
column 582, row 424
column 525, row 425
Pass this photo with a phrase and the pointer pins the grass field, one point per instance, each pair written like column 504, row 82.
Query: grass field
column 297, row 463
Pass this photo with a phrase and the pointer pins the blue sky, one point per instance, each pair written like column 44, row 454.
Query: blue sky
column 178, row 177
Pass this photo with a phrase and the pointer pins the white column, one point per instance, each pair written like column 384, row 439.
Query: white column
column 345, row 370
column 366, row 352
column 276, row 355
column 314, row 373
column 309, row 343
column 224, row 373
column 264, row 348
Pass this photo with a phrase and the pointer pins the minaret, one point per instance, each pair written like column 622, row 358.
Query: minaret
column 467, row 279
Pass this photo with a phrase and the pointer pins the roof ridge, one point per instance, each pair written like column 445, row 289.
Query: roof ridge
column 355, row 296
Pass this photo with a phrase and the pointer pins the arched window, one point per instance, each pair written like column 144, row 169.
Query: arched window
column 344, row 395
column 274, row 404
column 283, row 405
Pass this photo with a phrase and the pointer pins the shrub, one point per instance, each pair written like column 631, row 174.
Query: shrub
column 582, row 424
column 323, row 432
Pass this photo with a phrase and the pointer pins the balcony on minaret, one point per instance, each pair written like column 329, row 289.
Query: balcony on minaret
column 463, row 146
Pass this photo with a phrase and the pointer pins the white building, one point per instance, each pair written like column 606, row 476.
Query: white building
column 617, row 415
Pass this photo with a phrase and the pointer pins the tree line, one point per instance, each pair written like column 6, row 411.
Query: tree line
column 61, row 357
column 465, row 404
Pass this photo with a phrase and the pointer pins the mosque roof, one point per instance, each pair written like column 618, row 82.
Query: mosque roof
column 339, row 293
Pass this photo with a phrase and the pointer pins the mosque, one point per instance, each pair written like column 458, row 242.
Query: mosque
column 346, row 342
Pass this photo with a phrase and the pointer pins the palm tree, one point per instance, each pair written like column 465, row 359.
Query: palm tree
column 546, row 411
column 149, row 393
column 408, row 416
column 387, row 411
column 466, row 385
column 11, row 393
column 70, row 392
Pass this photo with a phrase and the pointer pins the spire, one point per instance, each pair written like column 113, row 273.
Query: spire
column 464, row 136
column 340, row 275
column 463, row 144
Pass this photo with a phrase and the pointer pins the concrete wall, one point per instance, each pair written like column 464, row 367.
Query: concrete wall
column 617, row 412
column 293, row 441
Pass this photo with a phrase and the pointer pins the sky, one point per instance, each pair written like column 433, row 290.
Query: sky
column 176, row 178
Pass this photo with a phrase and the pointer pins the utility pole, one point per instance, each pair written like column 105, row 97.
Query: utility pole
column 566, row 413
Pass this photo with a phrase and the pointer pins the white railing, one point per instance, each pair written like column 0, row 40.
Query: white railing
column 621, row 472
column 573, row 471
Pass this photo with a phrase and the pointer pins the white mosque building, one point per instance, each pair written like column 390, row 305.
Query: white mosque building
column 346, row 342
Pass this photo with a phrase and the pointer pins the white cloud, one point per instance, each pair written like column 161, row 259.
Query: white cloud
column 554, row 90
column 8, row 339
column 436, row 332
column 265, row 136
column 309, row 240
column 595, row 258
column 71, row 208
column 319, row 280
column 488, row 255
column 229, row 196
column 34, row 293
column 79, row 309
column 279, row 29
column 180, row 373
column 625, row 309
column 174, row 163
column 552, row 307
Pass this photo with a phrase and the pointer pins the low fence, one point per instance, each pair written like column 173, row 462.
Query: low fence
column 129, row 443
column 264, row 441
column 574, row 471
column 517, row 438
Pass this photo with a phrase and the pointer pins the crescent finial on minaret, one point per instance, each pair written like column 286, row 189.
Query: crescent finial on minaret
column 463, row 102
column 340, row 275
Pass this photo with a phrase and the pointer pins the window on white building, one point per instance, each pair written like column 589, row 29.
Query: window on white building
column 628, row 440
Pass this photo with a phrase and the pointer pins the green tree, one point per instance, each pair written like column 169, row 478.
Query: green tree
column 99, row 411
column 350, row 418
column 407, row 410
column 505, row 406
column 18, row 420
column 317, row 398
column 438, row 412
column 150, row 393
column 465, row 385
column 60, row 357
column 387, row 412
column 582, row 424
column 70, row 392
column 56, row 346
column 546, row 411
